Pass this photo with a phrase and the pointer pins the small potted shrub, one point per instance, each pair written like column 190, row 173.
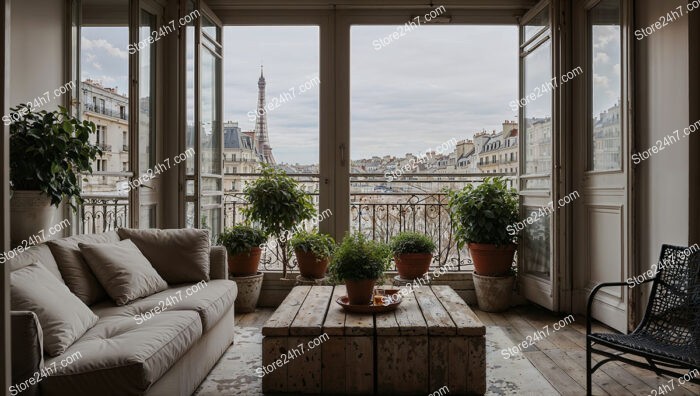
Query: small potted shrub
column 313, row 251
column 360, row 262
column 413, row 253
column 243, row 246
column 480, row 218
column 278, row 204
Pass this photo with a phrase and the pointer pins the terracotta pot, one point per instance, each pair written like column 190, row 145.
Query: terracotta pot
column 244, row 264
column 493, row 293
column 360, row 291
column 310, row 266
column 492, row 260
column 412, row 265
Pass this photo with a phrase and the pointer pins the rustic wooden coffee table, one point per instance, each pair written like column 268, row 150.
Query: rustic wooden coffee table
column 433, row 339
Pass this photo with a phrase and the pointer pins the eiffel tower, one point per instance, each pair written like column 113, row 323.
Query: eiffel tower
column 262, row 139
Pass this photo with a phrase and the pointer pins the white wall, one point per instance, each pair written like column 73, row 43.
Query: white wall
column 37, row 50
column 662, row 106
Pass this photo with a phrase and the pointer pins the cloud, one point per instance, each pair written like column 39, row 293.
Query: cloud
column 105, row 45
column 433, row 84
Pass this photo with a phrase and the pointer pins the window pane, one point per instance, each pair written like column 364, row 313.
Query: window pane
column 147, row 82
column 210, row 131
column 536, row 245
column 539, row 22
column 189, row 94
column 537, row 113
column 103, row 99
column 606, row 85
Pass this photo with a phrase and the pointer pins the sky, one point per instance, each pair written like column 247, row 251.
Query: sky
column 433, row 84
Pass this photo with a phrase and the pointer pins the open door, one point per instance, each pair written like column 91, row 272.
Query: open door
column 203, row 135
column 147, row 87
column 602, row 171
column 536, row 266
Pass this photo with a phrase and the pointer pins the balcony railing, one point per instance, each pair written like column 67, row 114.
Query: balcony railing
column 378, row 208
column 381, row 209
column 105, row 202
column 108, row 112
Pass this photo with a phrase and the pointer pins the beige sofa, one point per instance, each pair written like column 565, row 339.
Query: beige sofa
column 168, row 354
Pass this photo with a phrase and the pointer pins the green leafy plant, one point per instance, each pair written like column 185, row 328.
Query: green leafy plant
column 277, row 203
column 481, row 214
column 49, row 151
column 359, row 258
column 241, row 239
column 320, row 245
column 411, row 242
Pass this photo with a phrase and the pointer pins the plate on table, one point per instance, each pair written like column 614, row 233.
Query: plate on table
column 372, row 308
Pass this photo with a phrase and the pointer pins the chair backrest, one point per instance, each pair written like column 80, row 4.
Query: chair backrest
column 673, row 315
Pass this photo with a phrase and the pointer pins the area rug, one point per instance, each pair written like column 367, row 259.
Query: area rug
column 234, row 374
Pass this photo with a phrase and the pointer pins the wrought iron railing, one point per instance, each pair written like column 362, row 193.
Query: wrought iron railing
column 105, row 202
column 380, row 209
column 103, row 213
column 108, row 112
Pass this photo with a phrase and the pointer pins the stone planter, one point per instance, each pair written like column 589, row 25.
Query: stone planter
column 31, row 214
column 493, row 293
column 248, row 292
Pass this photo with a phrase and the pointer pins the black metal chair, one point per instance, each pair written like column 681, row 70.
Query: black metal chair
column 668, row 336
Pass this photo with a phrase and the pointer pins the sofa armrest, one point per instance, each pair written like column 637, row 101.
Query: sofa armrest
column 218, row 264
column 27, row 348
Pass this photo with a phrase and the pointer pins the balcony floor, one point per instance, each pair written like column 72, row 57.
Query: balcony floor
column 554, row 365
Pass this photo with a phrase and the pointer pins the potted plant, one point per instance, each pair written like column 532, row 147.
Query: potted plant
column 313, row 252
column 48, row 153
column 480, row 216
column 413, row 253
column 242, row 243
column 277, row 203
column 359, row 262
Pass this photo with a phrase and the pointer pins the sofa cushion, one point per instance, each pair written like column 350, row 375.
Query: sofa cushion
column 63, row 317
column 75, row 271
column 211, row 302
column 39, row 253
column 122, row 270
column 179, row 255
column 120, row 357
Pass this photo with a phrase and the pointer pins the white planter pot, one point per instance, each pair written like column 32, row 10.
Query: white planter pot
column 493, row 293
column 248, row 292
column 31, row 214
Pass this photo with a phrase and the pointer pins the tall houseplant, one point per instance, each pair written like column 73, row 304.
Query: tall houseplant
column 480, row 217
column 48, row 152
column 277, row 204
column 359, row 262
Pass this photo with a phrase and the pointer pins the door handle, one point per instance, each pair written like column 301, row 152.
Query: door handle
column 342, row 154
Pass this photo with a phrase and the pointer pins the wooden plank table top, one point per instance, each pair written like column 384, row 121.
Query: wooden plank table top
column 425, row 310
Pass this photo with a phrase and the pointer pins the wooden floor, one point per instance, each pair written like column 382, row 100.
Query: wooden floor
column 559, row 357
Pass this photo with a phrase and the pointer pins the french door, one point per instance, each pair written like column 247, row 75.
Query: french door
column 147, row 87
column 539, row 126
column 602, row 171
column 203, row 128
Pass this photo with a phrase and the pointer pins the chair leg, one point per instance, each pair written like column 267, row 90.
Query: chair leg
column 589, row 374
